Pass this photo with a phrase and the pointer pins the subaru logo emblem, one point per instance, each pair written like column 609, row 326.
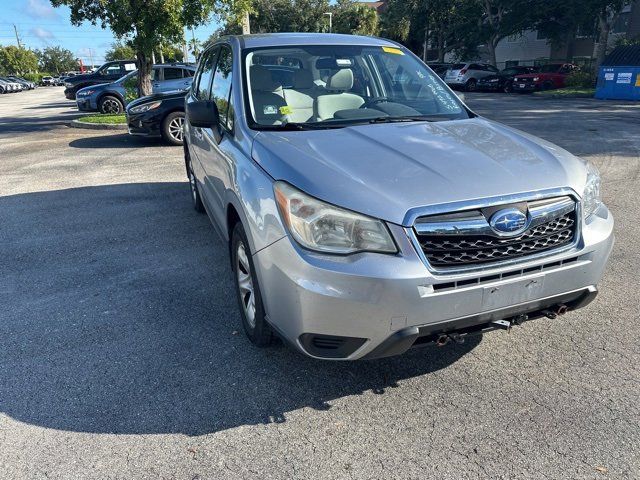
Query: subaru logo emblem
column 509, row 221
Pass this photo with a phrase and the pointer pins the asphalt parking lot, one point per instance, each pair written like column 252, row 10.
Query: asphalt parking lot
column 121, row 357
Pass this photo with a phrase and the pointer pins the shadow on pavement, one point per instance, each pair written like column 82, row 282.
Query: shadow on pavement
column 119, row 316
column 119, row 140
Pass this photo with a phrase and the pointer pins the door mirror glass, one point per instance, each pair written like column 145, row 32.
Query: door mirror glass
column 203, row 114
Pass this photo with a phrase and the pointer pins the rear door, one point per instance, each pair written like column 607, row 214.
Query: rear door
column 219, row 147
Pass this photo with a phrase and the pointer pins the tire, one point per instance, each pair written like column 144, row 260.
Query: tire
column 193, row 184
column 171, row 130
column 248, row 291
column 508, row 87
column 110, row 105
column 471, row 85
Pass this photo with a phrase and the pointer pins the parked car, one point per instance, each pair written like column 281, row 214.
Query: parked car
column 113, row 97
column 503, row 80
column 26, row 84
column 5, row 87
column 549, row 77
column 13, row 86
column 159, row 115
column 107, row 73
column 372, row 215
column 47, row 81
column 466, row 75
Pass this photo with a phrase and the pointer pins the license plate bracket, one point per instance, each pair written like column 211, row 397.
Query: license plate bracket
column 505, row 295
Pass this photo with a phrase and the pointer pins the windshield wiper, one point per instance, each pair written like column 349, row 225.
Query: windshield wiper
column 299, row 126
column 410, row 118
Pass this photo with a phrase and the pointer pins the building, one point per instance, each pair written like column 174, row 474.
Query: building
column 531, row 48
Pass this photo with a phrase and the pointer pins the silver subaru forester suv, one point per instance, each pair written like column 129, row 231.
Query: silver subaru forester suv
column 368, row 211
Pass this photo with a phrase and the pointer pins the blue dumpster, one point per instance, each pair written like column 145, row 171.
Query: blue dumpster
column 619, row 75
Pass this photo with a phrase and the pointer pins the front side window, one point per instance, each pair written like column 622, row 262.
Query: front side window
column 333, row 86
column 205, row 72
column 221, row 87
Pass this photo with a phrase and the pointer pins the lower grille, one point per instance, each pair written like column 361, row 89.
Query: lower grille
column 468, row 249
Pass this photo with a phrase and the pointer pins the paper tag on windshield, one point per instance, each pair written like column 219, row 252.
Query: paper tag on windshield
column 286, row 110
column 395, row 51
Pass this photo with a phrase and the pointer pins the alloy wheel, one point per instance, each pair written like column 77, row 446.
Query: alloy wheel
column 175, row 128
column 110, row 106
column 245, row 285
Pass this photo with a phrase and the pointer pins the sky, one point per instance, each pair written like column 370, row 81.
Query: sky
column 40, row 25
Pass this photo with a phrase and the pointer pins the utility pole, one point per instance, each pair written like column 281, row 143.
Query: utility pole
column 15, row 29
column 330, row 21
column 246, row 26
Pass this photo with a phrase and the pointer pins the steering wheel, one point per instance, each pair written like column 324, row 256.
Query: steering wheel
column 374, row 101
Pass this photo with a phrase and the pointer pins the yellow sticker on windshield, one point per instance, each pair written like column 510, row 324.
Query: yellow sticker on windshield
column 395, row 51
column 286, row 110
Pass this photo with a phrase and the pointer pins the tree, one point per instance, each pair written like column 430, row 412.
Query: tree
column 145, row 24
column 172, row 53
column 354, row 18
column 500, row 19
column 56, row 60
column 18, row 60
column 608, row 13
column 120, row 51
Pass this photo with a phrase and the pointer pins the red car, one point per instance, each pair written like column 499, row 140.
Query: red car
column 549, row 77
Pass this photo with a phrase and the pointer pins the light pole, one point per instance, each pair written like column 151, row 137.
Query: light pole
column 330, row 20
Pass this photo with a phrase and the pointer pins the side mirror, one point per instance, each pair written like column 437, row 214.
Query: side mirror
column 203, row 114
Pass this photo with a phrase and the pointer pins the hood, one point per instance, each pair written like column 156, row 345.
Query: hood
column 98, row 86
column 81, row 78
column 385, row 170
column 159, row 96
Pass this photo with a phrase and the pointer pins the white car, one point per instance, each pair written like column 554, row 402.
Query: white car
column 466, row 75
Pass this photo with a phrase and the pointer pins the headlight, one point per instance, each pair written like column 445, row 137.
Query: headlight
column 84, row 93
column 145, row 107
column 67, row 84
column 317, row 225
column 592, row 196
column 493, row 80
column 535, row 79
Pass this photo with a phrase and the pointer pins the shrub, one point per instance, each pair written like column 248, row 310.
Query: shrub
column 33, row 77
column 580, row 79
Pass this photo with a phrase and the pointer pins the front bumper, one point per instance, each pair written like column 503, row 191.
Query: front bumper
column 69, row 92
column 489, row 87
column 144, row 124
column 86, row 105
column 525, row 87
column 372, row 305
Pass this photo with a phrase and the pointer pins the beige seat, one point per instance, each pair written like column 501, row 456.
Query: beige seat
column 302, row 97
column 268, row 100
column 339, row 83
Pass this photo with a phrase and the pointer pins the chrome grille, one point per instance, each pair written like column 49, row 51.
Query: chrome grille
column 466, row 239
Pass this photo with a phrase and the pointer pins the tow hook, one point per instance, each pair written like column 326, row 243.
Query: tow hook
column 451, row 337
column 504, row 324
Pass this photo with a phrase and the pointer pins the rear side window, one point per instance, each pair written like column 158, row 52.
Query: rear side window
column 172, row 73
column 221, row 88
column 205, row 72
column 187, row 73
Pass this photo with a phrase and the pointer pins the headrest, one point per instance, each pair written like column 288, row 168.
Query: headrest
column 341, row 80
column 302, row 79
column 261, row 79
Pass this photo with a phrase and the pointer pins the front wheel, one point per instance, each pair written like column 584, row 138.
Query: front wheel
column 110, row 105
column 508, row 87
column 172, row 128
column 248, row 291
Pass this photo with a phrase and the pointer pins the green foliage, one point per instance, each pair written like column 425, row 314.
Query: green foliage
column 34, row 77
column 145, row 24
column 356, row 19
column 19, row 61
column 120, row 51
column 268, row 16
column 172, row 53
column 580, row 79
column 56, row 60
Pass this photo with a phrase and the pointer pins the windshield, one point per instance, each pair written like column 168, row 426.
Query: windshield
column 332, row 86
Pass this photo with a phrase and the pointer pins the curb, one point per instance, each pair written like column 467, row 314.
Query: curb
column 97, row 126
